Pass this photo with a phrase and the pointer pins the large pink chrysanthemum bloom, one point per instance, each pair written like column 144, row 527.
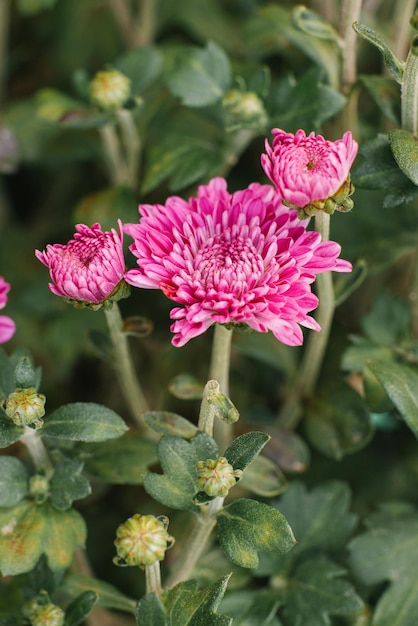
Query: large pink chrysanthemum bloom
column 240, row 258
column 7, row 325
column 89, row 269
column 309, row 170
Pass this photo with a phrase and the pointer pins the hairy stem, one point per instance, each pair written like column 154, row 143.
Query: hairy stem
column 219, row 371
column 153, row 578
column 195, row 543
column 313, row 355
column 409, row 94
column 128, row 381
column 36, row 448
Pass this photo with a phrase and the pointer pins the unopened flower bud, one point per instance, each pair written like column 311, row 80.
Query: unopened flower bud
column 244, row 109
column 224, row 407
column 41, row 612
column 216, row 476
column 110, row 89
column 26, row 407
column 39, row 487
column 142, row 540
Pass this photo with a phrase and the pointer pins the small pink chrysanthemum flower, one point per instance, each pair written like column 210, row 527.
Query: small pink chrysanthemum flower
column 89, row 269
column 241, row 259
column 311, row 172
column 7, row 325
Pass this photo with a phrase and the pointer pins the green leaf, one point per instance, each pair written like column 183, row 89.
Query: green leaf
column 199, row 77
column 142, row 65
column 29, row 530
column 386, row 94
column 338, row 421
column 79, row 608
column 14, row 483
column 389, row 320
column 25, row 374
column 187, row 605
column 123, row 461
column 31, row 7
column 405, row 150
column 108, row 596
column 166, row 423
column 186, row 387
column 67, row 484
column 84, row 421
column 316, row 592
column 246, row 527
column 379, row 170
column 245, row 449
column 401, row 384
column 388, row 551
column 150, row 610
column 313, row 24
column 264, row 478
column 253, row 608
column 176, row 487
column 106, row 206
column 392, row 63
column 9, row 432
column 288, row 450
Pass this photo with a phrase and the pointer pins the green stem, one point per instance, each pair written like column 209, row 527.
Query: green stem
column 409, row 94
column 4, row 35
column 207, row 412
column 124, row 367
column 219, row 371
column 196, row 542
column 153, row 578
column 131, row 144
column 351, row 13
column 117, row 167
column 313, row 355
column 36, row 448
column 123, row 18
column 145, row 23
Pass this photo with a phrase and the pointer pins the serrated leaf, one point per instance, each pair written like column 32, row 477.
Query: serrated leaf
column 14, row 481
column 108, row 596
column 9, row 432
column 167, row 423
column 122, row 461
column 200, row 77
column 405, row 150
column 187, row 605
column 246, row 527
column 316, row 591
column 388, row 551
column 264, row 478
column 29, row 530
column 245, row 449
column 401, row 384
column 67, row 484
column 79, row 608
column 84, row 421
column 392, row 63
column 176, row 487
column 338, row 421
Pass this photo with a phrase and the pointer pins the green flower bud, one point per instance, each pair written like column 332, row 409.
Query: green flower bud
column 25, row 407
column 340, row 201
column 41, row 612
column 110, row 89
column 216, row 476
column 39, row 487
column 142, row 540
column 244, row 109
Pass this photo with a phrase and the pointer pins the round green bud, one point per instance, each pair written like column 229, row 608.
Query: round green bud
column 110, row 89
column 142, row 540
column 244, row 109
column 25, row 407
column 216, row 476
column 41, row 612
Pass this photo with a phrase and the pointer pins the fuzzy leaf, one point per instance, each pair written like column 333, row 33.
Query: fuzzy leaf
column 176, row 487
column 9, row 432
column 253, row 608
column 199, row 77
column 388, row 551
column 29, row 530
column 316, row 591
column 84, row 421
column 264, row 478
column 187, row 605
column 405, row 150
column 392, row 63
column 166, row 423
column 14, row 484
column 150, row 610
column 79, row 608
column 245, row 449
column 246, row 527
column 401, row 384
column 120, row 461
column 67, row 484
column 108, row 596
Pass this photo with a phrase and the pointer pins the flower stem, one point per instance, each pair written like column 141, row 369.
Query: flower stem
column 39, row 454
column 195, row 543
column 131, row 144
column 207, row 412
column 351, row 12
column 117, row 167
column 132, row 391
column 313, row 355
column 409, row 94
column 153, row 578
column 219, row 371
column 4, row 32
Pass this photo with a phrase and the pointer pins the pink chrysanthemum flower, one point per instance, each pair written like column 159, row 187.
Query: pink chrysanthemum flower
column 7, row 325
column 89, row 269
column 240, row 258
column 309, row 170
